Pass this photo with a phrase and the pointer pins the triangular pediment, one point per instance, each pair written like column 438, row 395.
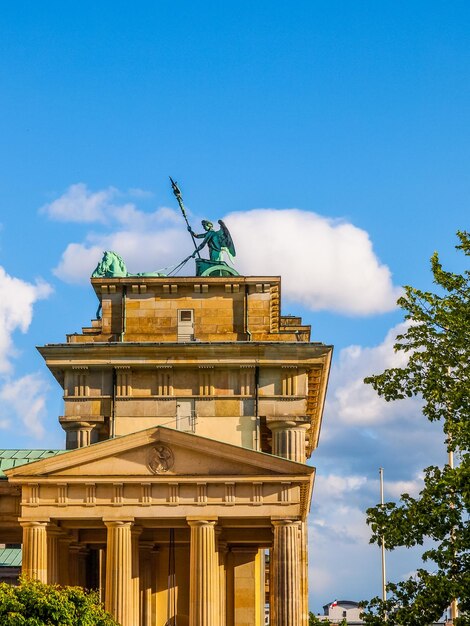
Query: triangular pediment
column 160, row 451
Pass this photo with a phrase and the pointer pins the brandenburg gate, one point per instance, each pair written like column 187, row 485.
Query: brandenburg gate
column 191, row 406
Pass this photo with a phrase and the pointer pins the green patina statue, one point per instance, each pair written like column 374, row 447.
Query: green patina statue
column 218, row 242
column 112, row 266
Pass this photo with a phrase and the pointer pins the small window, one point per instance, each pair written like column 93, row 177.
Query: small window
column 345, row 614
column 186, row 316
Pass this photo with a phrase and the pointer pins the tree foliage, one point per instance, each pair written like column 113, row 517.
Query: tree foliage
column 437, row 342
column 32, row 603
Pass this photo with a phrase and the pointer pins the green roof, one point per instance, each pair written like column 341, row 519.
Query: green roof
column 14, row 458
column 10, row 557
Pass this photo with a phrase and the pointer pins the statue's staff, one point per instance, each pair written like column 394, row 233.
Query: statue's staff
column 179, row 197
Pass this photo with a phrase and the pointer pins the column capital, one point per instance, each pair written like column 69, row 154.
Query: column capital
column 285, row 522
column 54, row 530
column 117, row 523
column 197, row 521
column 26, row 523
column 136, row 531
column 222, row 546
column 75, row 546
column 277, row 423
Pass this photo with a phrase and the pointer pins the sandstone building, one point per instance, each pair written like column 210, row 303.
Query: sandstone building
column 190, row 409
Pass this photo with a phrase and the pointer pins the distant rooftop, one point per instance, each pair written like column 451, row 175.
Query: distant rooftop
column 10, row 557
column 14, row 458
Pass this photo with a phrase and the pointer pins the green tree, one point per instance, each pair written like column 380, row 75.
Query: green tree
column 437, row 342
column 32, row 603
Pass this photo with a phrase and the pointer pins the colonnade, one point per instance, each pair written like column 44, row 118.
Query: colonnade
column 213, row 568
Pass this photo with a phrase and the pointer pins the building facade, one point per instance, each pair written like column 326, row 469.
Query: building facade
column 190, row 409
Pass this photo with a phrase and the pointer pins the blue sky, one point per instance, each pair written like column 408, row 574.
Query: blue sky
column 355, row 114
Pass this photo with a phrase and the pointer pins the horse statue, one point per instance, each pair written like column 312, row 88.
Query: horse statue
column 112, row 266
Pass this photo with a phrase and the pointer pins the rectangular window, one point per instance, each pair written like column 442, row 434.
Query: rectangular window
column 186, row 316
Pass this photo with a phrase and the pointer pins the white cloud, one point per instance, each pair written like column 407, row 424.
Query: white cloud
column 325, row 264
column 334, row 486
column 394, row 489
column 23, row 399
column 16, row 310
column 354, row 403
column 142, row 252
column 78, row 204
column 360, row 433
column 339, row 539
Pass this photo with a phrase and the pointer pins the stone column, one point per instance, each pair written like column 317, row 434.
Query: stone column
column 222, row 549
column 53, row 534
column 145, row 582
column 63, row 563
column 82, row 566
column 74, row 563
column 203, row 574
column 155, row 567
column 285, row 578
column 288, row 438
column 230, row 588
column 119, row 590
column 102, row 572
column 35, row 550
column 135, row 573
column 303, row 561
column 78, row 433
column 83, row 436
column 247, row 586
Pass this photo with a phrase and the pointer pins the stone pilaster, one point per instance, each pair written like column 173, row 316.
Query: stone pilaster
column 63, row 564
column 203, row 575
column 74, row 563
column 155, row 557
column 230, row 588
column 35, row 550
column 135, row 573
column 82, row 566
column 289, row 438
column 102, row 573
column 303, row 562
column 222, row 549
column 53, row 534
column 119, row 589
column 285, row 574
column 145, row 582
column 247, row 585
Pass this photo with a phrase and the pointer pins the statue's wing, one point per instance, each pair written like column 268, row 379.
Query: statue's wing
column 226, row 239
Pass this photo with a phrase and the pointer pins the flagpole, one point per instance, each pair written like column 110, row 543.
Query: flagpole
column 454, row 612
column 384, row 583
